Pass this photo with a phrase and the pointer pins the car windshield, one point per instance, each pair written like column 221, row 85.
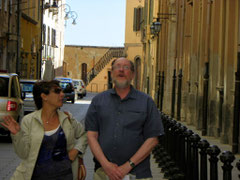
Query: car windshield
column 66, row 86
column 76, row 83
column 27, row 87
column 4, row 86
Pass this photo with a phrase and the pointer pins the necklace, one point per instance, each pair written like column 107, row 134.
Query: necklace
column 47, row 121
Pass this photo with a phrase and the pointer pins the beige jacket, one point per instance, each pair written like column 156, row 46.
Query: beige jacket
column 27, row 142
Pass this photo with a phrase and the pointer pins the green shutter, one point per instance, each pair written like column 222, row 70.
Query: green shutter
column 135, row 20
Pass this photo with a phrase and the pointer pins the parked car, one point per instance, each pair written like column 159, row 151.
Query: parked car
column 11, row 102
column 80, row 88
column 27, row 88
column 68, row 88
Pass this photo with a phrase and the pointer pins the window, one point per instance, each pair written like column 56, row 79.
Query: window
column 44, row 34
column 14, row 88
column 6, row 5
column 48, row 39
column 4, row 86
column 53, row 37
column 138, row 17
column 11, row 7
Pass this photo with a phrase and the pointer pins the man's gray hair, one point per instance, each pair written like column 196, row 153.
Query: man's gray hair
column 131, row 63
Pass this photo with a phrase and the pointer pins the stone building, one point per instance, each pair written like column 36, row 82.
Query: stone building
column 20, row 37
column 191, row 66
column 9, row 31
column 91, row 64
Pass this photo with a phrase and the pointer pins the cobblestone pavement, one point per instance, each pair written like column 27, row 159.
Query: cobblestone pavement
column 8, row 159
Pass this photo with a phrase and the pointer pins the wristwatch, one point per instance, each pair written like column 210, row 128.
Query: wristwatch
column 131, row 163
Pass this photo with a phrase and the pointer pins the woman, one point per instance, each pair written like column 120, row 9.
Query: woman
column 48, row 140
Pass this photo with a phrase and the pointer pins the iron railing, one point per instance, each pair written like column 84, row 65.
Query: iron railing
column 184, row 155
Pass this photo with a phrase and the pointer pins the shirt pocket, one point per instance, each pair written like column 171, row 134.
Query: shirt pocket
column 134, row 120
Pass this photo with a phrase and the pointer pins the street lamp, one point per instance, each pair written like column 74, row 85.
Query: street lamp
column 155, row 27
column 73, row 15
column 68, row 13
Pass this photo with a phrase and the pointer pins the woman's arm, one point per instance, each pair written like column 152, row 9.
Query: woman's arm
column 20, row 137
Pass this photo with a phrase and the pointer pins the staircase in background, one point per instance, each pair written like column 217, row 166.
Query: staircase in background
column 103, row 61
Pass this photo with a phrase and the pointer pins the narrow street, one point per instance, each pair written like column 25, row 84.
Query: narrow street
column 9, row 160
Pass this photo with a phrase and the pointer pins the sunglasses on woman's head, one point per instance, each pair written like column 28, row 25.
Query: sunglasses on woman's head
column 57, row 90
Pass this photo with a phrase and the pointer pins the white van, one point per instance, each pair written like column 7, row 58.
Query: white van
column 80, row 87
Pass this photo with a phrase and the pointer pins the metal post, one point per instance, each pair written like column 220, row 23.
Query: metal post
column 213, row 151
column 179, row 98
column 162, row 91
column 235, row 137
column 205, row 99
column 195, row 138
column 187, row 134
column 203, row 145
column 159, row 89
column 227, row 158
column 148, row 85
column 173, row 93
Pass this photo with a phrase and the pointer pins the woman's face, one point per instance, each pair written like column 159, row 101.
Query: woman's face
column 55, row 97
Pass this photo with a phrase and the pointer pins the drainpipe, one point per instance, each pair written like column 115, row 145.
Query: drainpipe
column 236, row 109
column 39, row 64
column 18, row 37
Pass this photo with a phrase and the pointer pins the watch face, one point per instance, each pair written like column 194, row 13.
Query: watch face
column 131, row 163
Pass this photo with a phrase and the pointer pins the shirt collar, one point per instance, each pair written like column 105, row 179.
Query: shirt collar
column 132, row 94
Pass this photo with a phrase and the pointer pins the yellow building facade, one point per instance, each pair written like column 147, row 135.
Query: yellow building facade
column 190, row 67
column 31, row 41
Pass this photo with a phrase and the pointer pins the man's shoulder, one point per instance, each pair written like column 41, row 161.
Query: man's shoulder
column 103, row 94
column 141, row 94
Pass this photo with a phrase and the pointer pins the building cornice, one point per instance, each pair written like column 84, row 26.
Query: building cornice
column 29, row 19
column 79, row 46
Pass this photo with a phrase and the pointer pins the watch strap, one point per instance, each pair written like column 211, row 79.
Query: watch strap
column 131, row 163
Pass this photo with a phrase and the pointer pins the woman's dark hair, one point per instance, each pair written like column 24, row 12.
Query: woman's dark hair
column 42, row 87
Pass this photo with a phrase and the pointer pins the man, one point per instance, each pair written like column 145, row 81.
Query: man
column 123, row 126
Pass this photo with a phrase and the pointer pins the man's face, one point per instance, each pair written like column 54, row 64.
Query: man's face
column 121, row 73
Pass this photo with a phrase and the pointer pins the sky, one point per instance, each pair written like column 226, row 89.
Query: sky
column 99, row 23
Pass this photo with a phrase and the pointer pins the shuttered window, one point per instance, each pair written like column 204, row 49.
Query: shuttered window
column 138, row 18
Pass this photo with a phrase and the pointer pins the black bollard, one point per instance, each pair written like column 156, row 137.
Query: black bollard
column 188, row 172
column 171, row 142
column 227, row 158
column 195, row 138
column 182, row 154
column 176, row 143
column 213, row 151
column 203, row 145
column 238, row 166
